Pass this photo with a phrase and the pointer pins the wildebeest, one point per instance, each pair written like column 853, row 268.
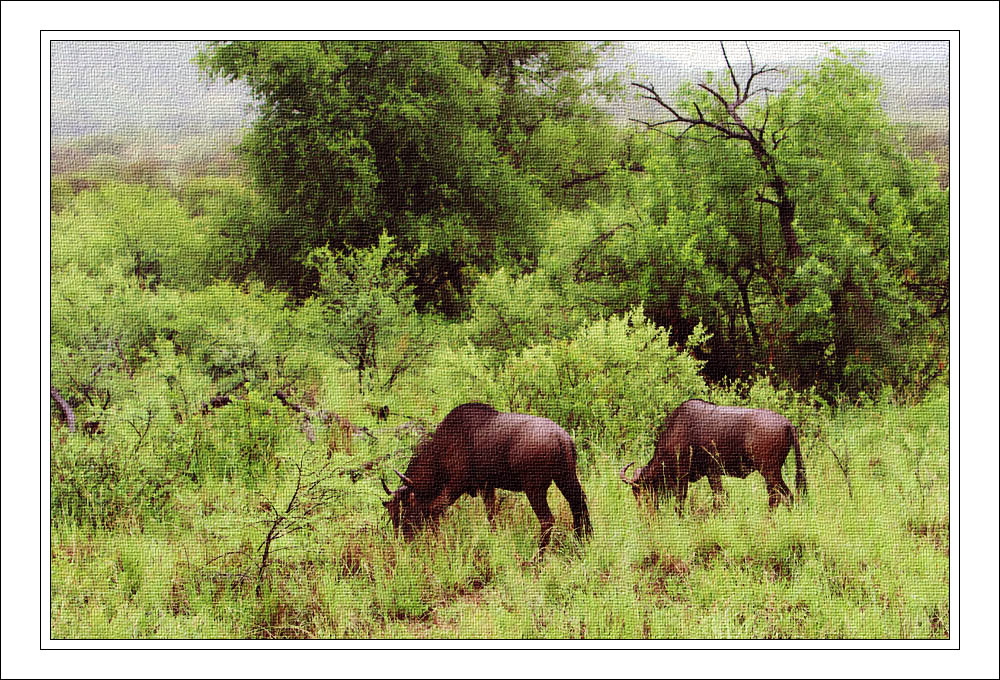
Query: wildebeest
column 477, row 449
column 700, row 439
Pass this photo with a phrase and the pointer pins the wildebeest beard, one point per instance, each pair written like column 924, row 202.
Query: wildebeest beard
column 406, row 512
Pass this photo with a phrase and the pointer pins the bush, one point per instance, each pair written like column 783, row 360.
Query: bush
column 368, row 312
column 124, row 471
column 512, row 313
column 240, row 223
column 615, row 378
column 237, row 333
column 100, row 326
column 246, row 437
column 136, row 231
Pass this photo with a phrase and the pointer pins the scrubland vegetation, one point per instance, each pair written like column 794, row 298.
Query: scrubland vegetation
column 244, row 342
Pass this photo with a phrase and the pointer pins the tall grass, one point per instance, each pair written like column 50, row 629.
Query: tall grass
column 872, row 563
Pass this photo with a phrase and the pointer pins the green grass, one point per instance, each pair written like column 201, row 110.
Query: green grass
column 872, row 564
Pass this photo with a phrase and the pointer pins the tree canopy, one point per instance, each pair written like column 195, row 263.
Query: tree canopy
column 455, row 148
column 795, row 224
column 778, row 217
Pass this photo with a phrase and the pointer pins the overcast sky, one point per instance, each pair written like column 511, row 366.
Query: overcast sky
column 706, row 54
column 123, row 86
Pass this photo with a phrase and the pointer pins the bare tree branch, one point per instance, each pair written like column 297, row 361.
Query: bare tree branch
column 65, row 407
column 734, row 127
column 732, row 74
column 717, row 95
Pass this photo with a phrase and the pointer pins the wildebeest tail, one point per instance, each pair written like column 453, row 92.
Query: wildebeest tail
column 800, row 466
column 588, row 528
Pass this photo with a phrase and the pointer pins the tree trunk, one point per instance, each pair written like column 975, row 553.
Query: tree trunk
column 786, row 214
column 751, row 326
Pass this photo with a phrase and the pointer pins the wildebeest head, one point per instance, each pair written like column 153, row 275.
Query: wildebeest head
column 406, row 511
column 649, row 479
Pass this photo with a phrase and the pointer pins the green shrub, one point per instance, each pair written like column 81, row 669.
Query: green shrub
column 136, row 231
column 615, row 377
column 100, row 325
column 512, row 313
column 239, row 221
column 237, row 333
column 368, row 313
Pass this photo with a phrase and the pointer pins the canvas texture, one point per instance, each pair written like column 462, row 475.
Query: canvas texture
column 500, row 340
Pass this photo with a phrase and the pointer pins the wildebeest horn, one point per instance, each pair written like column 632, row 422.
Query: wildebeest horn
column 406, row 480
column 630, row 482
column 385, row 486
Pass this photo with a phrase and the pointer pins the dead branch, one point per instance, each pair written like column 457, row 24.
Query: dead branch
column 300, row 512
column 733, row 126
column 67, row 410
column 322, row 416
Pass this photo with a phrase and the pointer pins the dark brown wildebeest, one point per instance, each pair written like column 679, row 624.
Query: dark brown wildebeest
column 700, row 439
column 476, row 450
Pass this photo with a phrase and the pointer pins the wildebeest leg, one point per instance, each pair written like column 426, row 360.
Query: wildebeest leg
column 490, row 499
column 571, row 489
column 718, row 493
column 777, row 490
column 682, row 492
column 786, row 493
column 773, row 496
column 683, row 470
column 539, row 503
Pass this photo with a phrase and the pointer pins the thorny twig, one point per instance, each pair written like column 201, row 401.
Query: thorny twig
column 843, row 462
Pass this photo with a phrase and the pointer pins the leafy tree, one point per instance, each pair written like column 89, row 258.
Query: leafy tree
column 440, row 144
column 726, row 121
column 550, row 123
column 794, row 224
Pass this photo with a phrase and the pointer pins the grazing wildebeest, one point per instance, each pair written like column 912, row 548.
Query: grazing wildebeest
column 475, row 450
column 700, row 439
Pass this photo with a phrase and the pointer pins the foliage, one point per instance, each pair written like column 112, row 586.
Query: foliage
column 511, row 313
column 429, row 141
column 100, row 325
column 236, row 334
column 865, row 304
column 612, row 379
column 368, row 312
column 135, row 231
column 237, row 220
